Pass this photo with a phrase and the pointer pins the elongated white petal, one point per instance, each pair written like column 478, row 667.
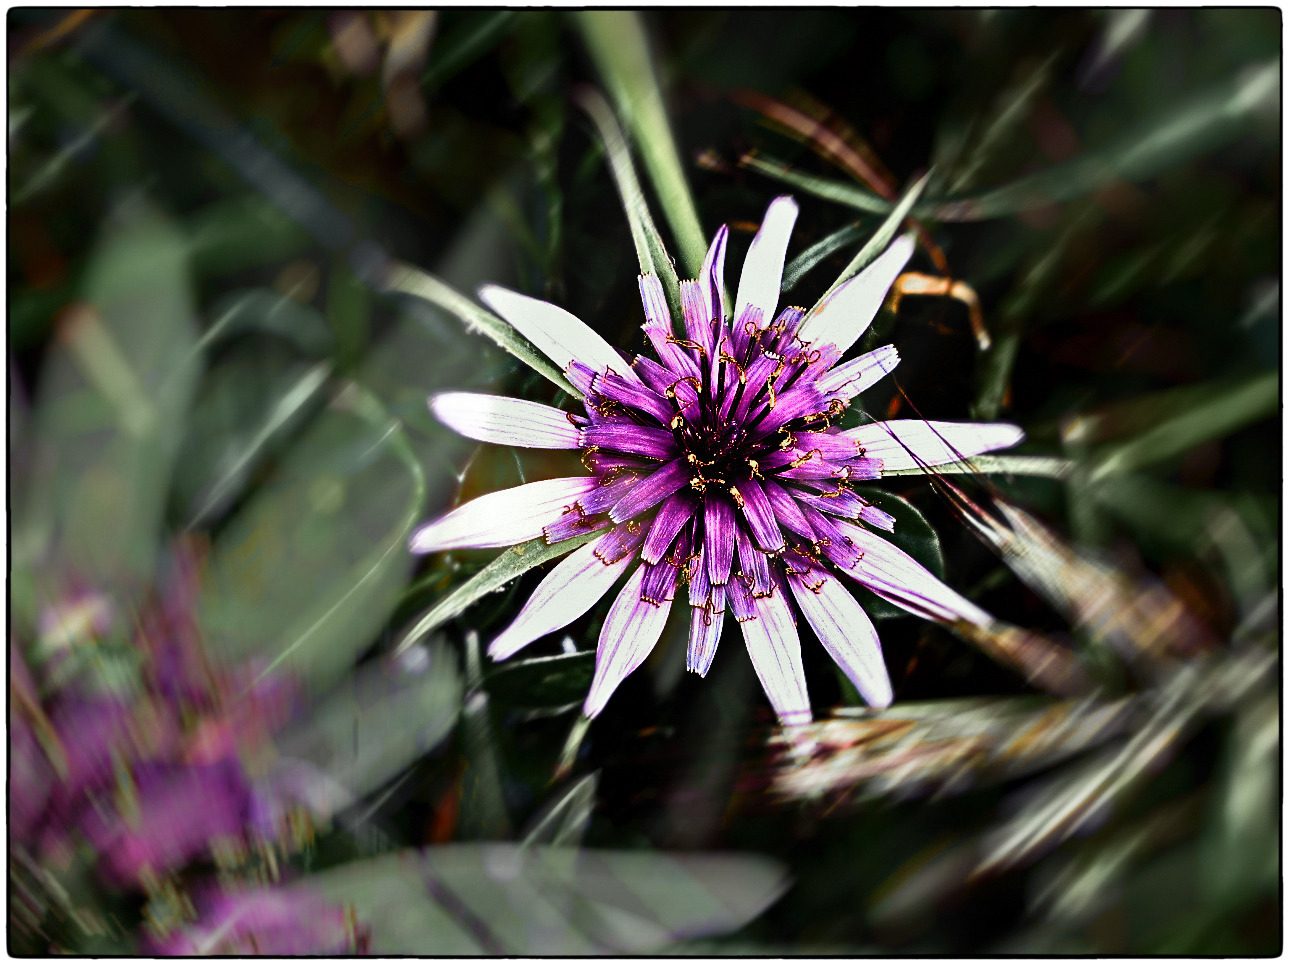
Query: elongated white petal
column 758, row 285
column 502, row 518
column 897, row 442
column 775, row 649
column 704, row 636
column 630, row 631
column 568, row 591
column 507, row 422
column 847, row 634
column 847, row 381
column 561, row 335
column 847, row 314
column 895, row 576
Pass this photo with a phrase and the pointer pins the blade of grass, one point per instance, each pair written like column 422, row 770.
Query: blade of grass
column 405, row 278
column 511, row 563
column 796, row 269
column 650, row 251
column 878, row 242
column 620, row 49
column 1218, row 415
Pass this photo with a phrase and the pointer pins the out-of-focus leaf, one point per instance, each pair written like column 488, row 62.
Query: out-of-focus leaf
column 1033, row 282
column 98, row 487
column 696, row 806
column 913, row 534
column 1200, row 123
column 1082, row 887
column 413, row 281
column 1043, row 662
column 241, row 233
column 261, row 310
column 348, row 313
column 797, row 268
column 1076, row 799
column 1135, row 415
column 506, row 899
column 1139, row 618
column 483, row 807
column 650, row 251
column 1241, row 853
column 1051, row 467
column 543, row 681
column 1174, row 516
column 942, row 747
column 881, row 238
column 370, row 728
column 185, row 102
column 512, row 562
column 842, row 192
column 464, row 44
column 1214, row 416
column 1007, row 112
column 562, row 821
column 1203, row 121
column 620, row 49
column 311, row 567
column 242, row 412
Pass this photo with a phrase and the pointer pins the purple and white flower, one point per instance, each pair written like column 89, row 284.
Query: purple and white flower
column 716, row 466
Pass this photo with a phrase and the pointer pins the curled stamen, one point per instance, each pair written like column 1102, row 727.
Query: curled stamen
column 738, row 499
column 687, row 343
column 798, row 463
column 586, row 454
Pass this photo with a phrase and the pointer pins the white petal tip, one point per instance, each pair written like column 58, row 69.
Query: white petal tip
column 795, row 718
column 422, row 541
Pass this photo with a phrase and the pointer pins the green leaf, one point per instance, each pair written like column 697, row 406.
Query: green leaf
column 125, row 358
column 511, row 563
column 1200, row 123
column 543, row 681
column 507, row 899
column 269, row 312
column 913, row 534
column 620, row 49
column 467, row 43
column 841, row 192
column 241, row 233
column 650, row 251
column 413, row 281
column 1240, row 852
column 1217, row 415
column 311, row 568
column 797, row 268
column 373, row 726
column 562, row 821
column 348, row 313
column 245, row 409
column 879, row 241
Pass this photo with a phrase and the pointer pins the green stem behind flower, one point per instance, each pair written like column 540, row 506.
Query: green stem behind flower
column 620, row 49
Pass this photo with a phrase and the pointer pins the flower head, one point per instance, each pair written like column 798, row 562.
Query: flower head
column 718, row 467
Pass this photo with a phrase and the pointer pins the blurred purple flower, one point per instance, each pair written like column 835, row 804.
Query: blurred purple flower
column 266, row 921
column 179, row 810
column 721, row 450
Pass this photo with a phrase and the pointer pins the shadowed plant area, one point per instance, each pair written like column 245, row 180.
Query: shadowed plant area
column 681, row 482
